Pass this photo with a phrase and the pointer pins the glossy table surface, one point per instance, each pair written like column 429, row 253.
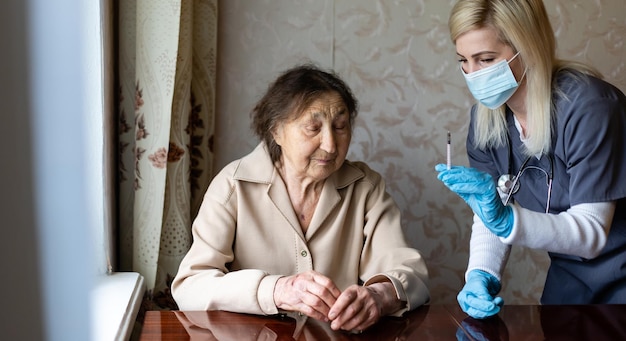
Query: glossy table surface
column 434, row 322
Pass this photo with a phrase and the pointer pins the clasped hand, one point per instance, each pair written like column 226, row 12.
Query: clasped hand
column 316, row 296
column 479, row 191
column 478, row 296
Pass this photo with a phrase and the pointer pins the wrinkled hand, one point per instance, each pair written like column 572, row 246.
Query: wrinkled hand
column 479, row 191
column 477, row 296
column 359, row 307
column 309, row 293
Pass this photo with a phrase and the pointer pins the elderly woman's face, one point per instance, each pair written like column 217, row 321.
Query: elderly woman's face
column 315, row 144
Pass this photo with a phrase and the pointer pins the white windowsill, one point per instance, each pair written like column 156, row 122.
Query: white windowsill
column 115, row 301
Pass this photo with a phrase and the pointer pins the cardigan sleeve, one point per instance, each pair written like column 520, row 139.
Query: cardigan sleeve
column 386, row 253
column 203, row 281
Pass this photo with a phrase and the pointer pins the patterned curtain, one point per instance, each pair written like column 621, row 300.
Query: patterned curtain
column 166, row 63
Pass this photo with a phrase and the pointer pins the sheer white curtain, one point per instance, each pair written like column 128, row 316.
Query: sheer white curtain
column 166, row 61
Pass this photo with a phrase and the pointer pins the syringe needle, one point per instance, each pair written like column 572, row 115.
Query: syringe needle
column 448, row 158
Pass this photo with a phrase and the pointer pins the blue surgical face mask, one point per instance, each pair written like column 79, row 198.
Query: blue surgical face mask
column 493, row 85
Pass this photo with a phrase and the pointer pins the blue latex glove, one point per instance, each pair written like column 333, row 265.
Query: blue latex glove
column 477, row 296
column 479, row 191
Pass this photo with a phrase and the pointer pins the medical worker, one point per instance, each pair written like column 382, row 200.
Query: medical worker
column 547, row 162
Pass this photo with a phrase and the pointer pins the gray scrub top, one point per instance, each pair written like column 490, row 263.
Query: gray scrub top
column 588, row 165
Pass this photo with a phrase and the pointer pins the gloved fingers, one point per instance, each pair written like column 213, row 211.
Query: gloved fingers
column 468, row 179
column 469, row 175
column 475, row 294
column 441, row 168
column 467, row 188
column 481, row 314
column 480, row 307
column 481, row 303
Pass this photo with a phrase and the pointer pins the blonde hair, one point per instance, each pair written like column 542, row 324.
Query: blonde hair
column 525, row 27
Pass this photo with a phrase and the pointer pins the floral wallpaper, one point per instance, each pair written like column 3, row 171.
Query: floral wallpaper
column 398, row 59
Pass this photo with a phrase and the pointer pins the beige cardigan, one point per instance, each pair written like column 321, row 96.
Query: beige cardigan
column 246, row 236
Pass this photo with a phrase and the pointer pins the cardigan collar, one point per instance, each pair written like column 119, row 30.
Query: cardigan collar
column 258, row 167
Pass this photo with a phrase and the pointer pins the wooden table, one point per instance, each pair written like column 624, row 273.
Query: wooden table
column 435, row 322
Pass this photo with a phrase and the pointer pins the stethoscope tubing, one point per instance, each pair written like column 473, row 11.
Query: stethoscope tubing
column 513, row 188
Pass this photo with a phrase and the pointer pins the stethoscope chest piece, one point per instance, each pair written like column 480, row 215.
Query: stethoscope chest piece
column 507, row 184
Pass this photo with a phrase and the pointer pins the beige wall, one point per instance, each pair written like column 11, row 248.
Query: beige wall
column 397, row 57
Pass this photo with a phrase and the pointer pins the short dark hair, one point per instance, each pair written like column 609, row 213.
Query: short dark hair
column 290, row 94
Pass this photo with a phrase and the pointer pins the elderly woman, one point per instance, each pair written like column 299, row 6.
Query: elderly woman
column 294, row 226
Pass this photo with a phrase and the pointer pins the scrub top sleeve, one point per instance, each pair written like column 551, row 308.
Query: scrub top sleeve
column 593, row 140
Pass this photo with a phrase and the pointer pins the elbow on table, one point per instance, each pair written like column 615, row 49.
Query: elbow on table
column 185, row 299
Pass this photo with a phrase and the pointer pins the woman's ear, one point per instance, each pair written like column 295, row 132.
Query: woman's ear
column 277, row 134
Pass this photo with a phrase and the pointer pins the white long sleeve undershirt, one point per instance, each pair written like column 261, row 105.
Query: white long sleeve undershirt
column 580, row 231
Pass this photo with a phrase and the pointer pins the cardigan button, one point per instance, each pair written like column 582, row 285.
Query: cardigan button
column 303, row 253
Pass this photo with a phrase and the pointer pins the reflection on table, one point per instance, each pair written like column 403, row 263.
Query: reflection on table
column 435, row 322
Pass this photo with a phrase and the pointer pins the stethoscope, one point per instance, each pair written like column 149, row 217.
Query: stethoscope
column 509, row 184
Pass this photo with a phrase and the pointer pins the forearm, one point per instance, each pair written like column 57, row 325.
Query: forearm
column 245, row 291
column 580, row 231
column 487, row 252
